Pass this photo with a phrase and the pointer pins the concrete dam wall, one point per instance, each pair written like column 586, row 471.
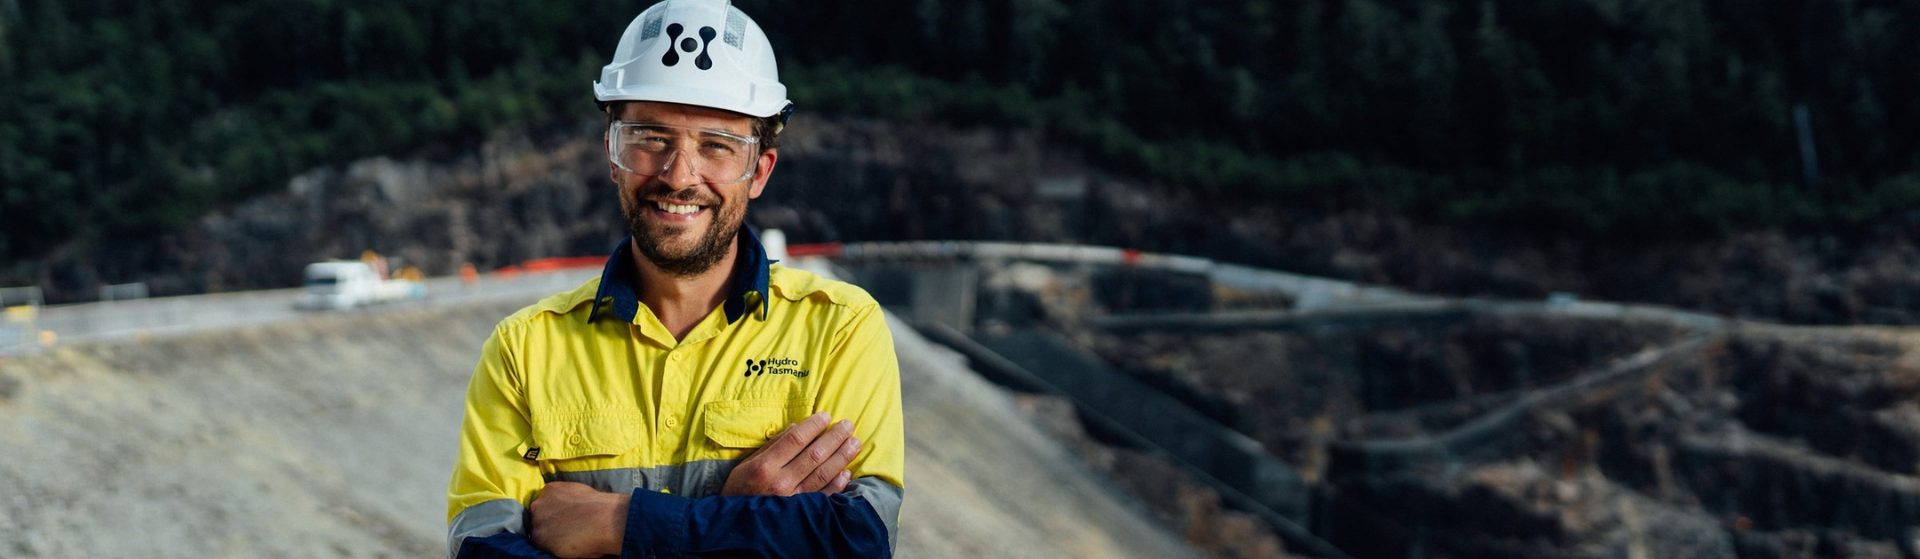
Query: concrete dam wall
column 333, row 435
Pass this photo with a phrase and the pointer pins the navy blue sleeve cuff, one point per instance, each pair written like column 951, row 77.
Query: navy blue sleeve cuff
column 504, row 545
column 656, row 526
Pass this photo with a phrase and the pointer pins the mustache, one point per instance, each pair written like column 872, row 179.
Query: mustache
column 672, row 196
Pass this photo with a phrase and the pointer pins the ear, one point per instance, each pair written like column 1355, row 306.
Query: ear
column 763, row 172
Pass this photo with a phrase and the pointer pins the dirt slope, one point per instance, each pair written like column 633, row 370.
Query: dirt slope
column 333, row 436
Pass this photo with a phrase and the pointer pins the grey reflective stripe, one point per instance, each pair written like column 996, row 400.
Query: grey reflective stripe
column 617, row 480
column 701, row 478
column 482, row 520
column 884, row 498
column 692, row 480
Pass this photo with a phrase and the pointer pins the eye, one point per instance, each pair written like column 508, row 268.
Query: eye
column 718, row 148
column 650, row 141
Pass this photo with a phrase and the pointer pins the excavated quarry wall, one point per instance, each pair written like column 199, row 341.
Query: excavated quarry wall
column 1753, row 441
column 542, row 190
column 333, row 435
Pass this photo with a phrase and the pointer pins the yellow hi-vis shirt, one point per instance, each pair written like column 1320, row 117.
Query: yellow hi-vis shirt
column 589, row 386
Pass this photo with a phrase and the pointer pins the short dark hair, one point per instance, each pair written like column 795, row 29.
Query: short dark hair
column 766, row 128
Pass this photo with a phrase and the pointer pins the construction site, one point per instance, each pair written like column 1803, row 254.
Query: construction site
column 1336, row 279
column 1062, row 401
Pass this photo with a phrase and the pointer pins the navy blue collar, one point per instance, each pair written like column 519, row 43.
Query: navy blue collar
column 750, row 274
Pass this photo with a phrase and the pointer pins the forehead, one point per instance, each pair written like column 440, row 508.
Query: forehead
column 685, row 115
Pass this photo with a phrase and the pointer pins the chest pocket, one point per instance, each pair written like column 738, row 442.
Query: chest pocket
column 747, row 424
column 593, row 433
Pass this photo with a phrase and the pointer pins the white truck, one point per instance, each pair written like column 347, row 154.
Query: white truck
column 345, row 284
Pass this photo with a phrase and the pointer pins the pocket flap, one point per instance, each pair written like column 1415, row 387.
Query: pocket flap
column 591, row 433
column 749, row 423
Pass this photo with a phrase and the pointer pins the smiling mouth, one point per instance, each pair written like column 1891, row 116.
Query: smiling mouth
column 677, row 209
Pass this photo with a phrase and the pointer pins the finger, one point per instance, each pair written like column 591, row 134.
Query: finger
column 789, row 444
column 823, row 474
column 839, row 483
column 823, row 448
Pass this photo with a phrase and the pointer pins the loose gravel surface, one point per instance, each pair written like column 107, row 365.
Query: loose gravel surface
column 333, row 435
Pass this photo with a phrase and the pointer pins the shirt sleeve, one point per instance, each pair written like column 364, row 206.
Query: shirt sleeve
column 492, row 478
column 812, row 525
column 861, row 383
column 502, row 545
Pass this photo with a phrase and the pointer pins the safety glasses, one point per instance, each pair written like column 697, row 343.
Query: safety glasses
column 650, row 149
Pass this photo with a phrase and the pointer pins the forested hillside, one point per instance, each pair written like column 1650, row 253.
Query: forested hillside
column 1649, row 118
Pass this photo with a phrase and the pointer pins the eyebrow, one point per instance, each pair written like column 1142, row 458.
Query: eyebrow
column 701, row 131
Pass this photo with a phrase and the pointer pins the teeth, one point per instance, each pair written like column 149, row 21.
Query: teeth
column 676, row 208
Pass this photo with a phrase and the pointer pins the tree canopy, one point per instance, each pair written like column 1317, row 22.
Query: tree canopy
column 1639, row 117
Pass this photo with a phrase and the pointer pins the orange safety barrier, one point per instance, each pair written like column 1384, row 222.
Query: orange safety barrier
column 817, row 249
column 552, row 264
column 561, row 263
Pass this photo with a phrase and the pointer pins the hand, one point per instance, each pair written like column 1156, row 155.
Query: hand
column 573, row 520
column 805, row 458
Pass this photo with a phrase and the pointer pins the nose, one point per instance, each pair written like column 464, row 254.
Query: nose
column 678, row 170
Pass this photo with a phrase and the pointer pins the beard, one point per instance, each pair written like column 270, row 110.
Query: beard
column 651, row 238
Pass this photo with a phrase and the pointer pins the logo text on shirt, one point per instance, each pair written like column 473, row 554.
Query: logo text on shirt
column 775, row 366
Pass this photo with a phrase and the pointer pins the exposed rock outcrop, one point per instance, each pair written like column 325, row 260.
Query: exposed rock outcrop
column 1761, row 442
column 542, row 191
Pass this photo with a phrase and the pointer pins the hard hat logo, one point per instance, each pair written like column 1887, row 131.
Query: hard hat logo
column 703, row 62
column 651, row 61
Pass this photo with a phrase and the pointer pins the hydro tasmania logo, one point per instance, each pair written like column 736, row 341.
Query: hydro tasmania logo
column 777, row 366
column 689, row 45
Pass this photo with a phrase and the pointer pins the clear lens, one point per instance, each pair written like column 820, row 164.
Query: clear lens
column 650, row 149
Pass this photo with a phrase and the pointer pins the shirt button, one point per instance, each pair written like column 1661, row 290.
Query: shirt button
column 679, row 356
column 672, row 421
column 772, row 432
column 575, row 439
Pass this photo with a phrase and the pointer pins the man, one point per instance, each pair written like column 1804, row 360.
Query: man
column 685, row 402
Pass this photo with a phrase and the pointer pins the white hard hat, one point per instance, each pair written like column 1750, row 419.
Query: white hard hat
column 695, row 52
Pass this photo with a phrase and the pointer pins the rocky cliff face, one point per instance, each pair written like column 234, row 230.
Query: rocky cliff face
column 525, row 194
column 1533, row 442
column 1868, row 276
column 542, row 191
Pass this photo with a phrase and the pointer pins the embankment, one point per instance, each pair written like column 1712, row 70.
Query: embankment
column 332, row 436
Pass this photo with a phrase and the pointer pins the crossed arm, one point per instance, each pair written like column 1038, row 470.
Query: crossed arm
column 784, row 500
column 573, row 520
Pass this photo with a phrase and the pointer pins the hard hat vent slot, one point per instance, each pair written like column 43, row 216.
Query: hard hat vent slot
column 652, row 28
column 736, row 30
